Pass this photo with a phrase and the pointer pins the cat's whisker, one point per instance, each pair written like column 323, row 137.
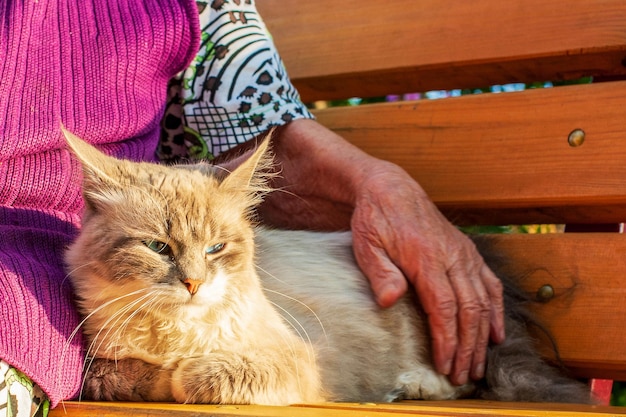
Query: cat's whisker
column 299, row 328
column 95, row 311
column 72, row 335
column 111, row 323
column 302, row 304
column 294, row 320
column 151, row 307
column 115, row 317
column 89, row 359
column 148, row 301
column 112, row 326
column 284, row 190
column 291, row 344
column 79, row 267
column 221, row 168
column 154, row 300
column 291, row 298
column 269, row 274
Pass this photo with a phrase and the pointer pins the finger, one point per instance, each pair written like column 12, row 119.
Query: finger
column 482, row 342
column 387, row 281
column 495, row 291
column 428, row 274
column 440, row 305
column 474, row 315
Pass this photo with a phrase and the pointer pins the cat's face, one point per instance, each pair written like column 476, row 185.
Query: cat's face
column 174, row 237
column 163, row 233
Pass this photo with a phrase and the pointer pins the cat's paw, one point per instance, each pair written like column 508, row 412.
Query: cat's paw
column 215, row 379
column 230, row 378
column 426, row 384
column 125, row 380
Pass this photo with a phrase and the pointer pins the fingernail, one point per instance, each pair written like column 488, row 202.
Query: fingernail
column 479, row 371
column 463, row 378
column 497, row 335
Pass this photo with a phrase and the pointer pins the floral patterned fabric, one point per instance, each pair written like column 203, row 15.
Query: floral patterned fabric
column 19, row 397
column 236, row 88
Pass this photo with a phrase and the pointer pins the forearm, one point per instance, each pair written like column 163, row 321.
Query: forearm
column 320, row 178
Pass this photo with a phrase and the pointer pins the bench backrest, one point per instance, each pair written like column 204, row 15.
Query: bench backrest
column 509, row 158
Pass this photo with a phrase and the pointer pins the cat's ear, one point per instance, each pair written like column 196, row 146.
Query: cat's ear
column 253, row 175
column 99, row 171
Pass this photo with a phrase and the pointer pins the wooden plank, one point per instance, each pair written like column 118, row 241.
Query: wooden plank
column 478, row 408
column 505, row 158
column 586, row 271
column 373, row 48
column 431, row 409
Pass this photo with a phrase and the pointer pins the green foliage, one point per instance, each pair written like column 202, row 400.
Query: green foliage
column 478, row 230
column 618, row 396
column 355, row 101
column 524, row 228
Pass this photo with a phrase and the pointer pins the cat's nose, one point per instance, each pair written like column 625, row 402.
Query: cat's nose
column 192, row 285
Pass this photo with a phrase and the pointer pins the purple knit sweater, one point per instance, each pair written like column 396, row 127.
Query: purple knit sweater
column 101, row 67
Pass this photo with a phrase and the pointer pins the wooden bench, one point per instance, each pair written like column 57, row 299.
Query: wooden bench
column 486, row 159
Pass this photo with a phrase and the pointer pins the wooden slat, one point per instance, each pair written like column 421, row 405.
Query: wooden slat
column 478, row 408
column 505, row 158
column 586, row 271
column 419, row 45
column 430, row 409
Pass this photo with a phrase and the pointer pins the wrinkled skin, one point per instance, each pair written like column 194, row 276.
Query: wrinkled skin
column 399, row 237
column 460, row 294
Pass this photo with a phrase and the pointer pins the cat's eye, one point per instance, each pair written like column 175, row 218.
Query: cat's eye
column 158, row 247
column 215, row 248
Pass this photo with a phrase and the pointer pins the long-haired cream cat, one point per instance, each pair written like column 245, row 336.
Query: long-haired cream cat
column 185, row 299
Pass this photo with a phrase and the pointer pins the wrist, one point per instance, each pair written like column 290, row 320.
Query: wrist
column 319, row 178
column 316, row 162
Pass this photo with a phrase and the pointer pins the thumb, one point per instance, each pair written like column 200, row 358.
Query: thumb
column 387, row 281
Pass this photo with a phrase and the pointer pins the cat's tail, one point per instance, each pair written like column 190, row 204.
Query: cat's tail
column 515, row 371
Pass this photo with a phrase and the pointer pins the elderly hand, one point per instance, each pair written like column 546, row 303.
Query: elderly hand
column 399, row 235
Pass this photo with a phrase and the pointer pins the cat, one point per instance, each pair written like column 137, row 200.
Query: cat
column 186, row 299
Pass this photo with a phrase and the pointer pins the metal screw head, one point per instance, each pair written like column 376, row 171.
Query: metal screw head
column 576, row 138
column 545, row 293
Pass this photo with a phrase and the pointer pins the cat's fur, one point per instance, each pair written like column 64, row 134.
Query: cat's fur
column 279, row 317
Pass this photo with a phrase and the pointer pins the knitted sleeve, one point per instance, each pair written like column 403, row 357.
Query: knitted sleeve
column 101, row 68
column 235, row 89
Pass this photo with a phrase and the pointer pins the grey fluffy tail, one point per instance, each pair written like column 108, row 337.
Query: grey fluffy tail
column 515, row 370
